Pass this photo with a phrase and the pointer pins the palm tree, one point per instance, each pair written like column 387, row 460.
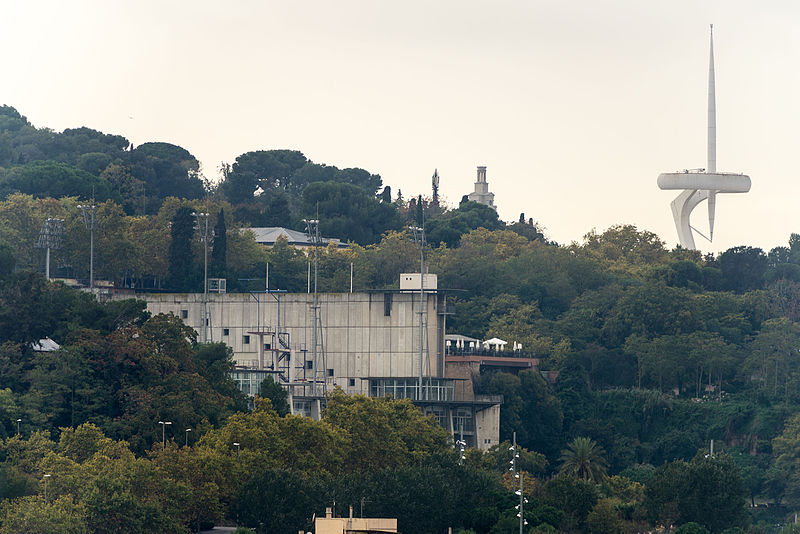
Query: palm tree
column 583, row 458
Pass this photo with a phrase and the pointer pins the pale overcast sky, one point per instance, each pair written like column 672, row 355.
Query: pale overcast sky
column 575, row 107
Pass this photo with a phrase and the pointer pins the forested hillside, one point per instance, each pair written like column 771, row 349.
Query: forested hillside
column 657, row 352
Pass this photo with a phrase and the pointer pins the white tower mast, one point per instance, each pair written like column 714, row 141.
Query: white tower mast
column 698, row 185
column 712, row 134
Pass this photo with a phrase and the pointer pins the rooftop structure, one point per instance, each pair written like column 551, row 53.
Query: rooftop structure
column 702, row 184
column 353, row 525
column 482, row 193
column 269, row 235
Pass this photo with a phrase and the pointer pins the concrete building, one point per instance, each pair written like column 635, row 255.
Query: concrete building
column 482, row 193
column 366, row 343
column 353, row 525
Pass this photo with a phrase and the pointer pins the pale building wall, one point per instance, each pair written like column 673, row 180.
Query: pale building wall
column 487, row 427
column 360, row 341
column 346, row 525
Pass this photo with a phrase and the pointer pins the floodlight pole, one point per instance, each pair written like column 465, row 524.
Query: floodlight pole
column 202, row 224
column 90, row 220
column 312, row 228
column 521, row 505
column 514, row 456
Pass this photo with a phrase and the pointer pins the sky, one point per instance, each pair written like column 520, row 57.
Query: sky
column 574, row 107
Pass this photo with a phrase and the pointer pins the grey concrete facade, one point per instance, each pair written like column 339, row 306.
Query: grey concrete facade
column 363, row 334
column 370, row 343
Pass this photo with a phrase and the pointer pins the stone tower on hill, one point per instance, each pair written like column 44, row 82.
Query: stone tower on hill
column 482, row 193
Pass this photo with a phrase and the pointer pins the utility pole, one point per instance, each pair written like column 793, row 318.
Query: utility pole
column 90, row 219
column 202, row 225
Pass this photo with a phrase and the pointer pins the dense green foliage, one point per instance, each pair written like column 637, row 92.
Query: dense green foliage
column 650, row 354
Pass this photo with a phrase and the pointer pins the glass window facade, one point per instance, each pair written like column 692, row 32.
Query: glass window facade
column 302, row 407
column 408, row 388
column 249, row 381
column 463, row 421
column 439, row 412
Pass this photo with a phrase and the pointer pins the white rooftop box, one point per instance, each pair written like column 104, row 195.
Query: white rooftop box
column 411, row 282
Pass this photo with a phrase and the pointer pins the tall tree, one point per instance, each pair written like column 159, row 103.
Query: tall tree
column 181, row 262
column 583, row 458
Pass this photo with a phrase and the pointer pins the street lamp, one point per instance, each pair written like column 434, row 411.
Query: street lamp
column 18, row 422
column 187, row 436
column 45, row 488
column 237, row 447
column 521, row 506
column 164, row 433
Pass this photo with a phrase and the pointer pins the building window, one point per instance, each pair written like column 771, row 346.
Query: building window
column 352, row 382
column 309, row 364
column 225, row 331
column 330, row 372
column 267, row 346
column 246, row 340
column 184, row 314
column 387, row 304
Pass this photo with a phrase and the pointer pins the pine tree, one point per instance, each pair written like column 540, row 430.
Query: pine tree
column 181, row 263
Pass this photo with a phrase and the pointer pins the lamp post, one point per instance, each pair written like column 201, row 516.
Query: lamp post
column 513, row 462
column 45, row 488
column 164, row 433
column 238, row 448
column 187, row 436
column 18, row 422
column 521, row 505
column 202, row 225
column 461, row 446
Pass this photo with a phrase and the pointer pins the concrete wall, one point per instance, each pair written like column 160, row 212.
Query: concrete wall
column 360, row 340
column 487, row 427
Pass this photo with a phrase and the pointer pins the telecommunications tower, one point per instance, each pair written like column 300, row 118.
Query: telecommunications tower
column 698, row 185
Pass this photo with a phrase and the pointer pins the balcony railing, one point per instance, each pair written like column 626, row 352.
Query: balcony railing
column 481, row 351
